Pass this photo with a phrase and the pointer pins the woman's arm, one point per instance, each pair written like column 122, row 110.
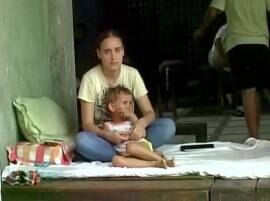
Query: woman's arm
column 208, row 19
column 148, row 116
column 87, row 115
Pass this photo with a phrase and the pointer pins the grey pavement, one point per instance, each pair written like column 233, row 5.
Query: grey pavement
column 222, row 127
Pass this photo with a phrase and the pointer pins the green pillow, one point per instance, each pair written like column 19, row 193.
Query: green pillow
column 42, row 120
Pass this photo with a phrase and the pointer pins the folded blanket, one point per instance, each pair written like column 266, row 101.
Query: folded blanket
column 250, row 160
column 26, row 153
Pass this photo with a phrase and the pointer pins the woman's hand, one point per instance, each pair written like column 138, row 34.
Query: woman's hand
column 148, row 115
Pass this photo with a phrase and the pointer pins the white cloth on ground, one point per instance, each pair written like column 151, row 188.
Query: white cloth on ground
column 250, row 160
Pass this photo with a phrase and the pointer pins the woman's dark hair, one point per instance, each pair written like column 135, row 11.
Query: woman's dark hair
column 106, row 34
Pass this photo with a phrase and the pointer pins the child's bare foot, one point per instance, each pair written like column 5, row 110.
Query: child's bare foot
column 162, row 155
column 160, row 164
column 170, row 163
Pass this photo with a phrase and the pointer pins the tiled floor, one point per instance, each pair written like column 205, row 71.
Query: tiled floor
column 223, row 127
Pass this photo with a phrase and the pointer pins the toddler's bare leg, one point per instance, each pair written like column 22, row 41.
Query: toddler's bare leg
column 124, row 161
column 170, row 163
column 138, row 151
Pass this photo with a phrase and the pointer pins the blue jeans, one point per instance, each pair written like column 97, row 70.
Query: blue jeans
column 94, row 148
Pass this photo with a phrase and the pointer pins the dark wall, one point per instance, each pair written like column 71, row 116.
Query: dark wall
column 154, row 30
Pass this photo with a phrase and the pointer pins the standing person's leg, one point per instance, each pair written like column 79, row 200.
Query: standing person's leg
column 259, row 110
column 247, row 67
column 93, row 147
column 252, row 114
column 259, row 69
column 160, row 131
